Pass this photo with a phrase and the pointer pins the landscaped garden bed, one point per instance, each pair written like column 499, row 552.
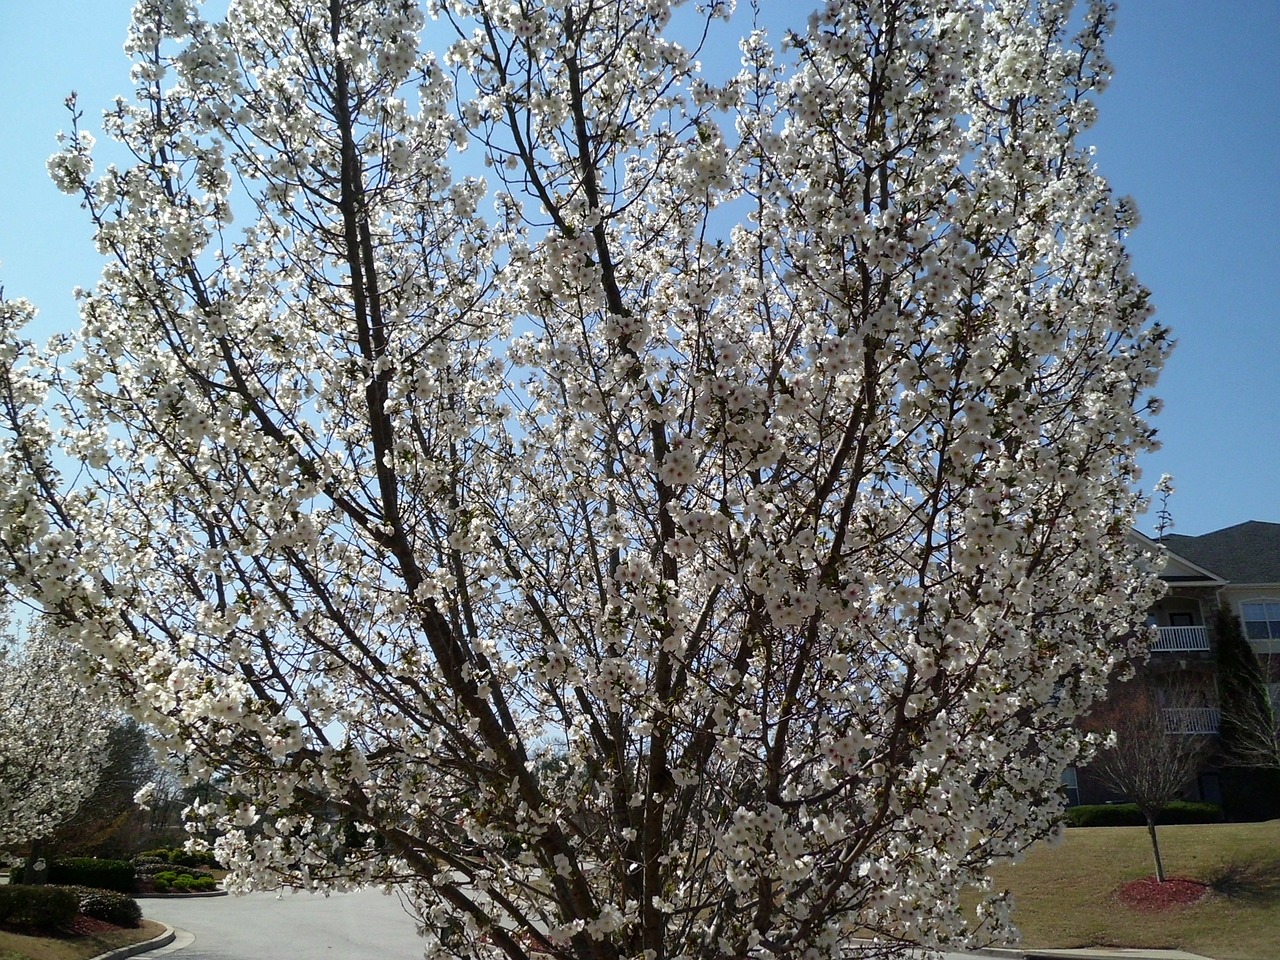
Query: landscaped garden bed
column 175, row 872
column 53, row 922
column 1152, row 896
column 1096, row 889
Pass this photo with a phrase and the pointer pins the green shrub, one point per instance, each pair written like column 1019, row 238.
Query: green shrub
column 37, row 907
column 91, row 872
column 199, row 858
column 109, row 906
column 1128, row 814
column 187, row 882
column 183, row 881
column 177, row 857
column 148, row 869
column 191, row 872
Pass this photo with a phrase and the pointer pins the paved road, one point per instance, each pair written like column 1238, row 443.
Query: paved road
column 365, row 925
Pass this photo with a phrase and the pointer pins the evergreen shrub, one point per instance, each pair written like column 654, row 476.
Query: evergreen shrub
column 43, row 907
column 1128, row 814
column 109, row 906
column 116, row 875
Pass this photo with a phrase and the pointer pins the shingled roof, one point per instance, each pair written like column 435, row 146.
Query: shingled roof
column 1249, row 552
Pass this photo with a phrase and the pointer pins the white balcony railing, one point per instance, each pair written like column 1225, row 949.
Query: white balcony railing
column 1179, row 639
column 1192, row 720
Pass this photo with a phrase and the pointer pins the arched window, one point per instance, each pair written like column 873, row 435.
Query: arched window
column 1261, row 619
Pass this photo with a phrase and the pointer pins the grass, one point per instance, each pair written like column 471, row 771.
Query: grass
column 1065, row 895
column 17, row 946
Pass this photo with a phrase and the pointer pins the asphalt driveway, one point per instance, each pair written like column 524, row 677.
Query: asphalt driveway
column 365, row 925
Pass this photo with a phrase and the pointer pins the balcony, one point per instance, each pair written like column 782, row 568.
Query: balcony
column 1192, row 720
column 1181, row 639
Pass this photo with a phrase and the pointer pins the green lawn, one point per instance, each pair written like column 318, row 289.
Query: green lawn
column 17, row 946
column 1065, row 895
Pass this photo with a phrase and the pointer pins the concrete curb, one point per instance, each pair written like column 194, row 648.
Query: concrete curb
column 1086, row 953
column 1074, row 953
column 133, row 949
column 193, row 895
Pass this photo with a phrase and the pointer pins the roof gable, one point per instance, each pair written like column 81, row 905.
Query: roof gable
column 1173, row 568
column 1178, row 568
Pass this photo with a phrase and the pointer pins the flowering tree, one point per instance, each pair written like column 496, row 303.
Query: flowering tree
column 52, row 733
column 695, row 538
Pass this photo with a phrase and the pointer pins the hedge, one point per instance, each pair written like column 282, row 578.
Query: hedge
column 116, row 875
column 178, row 857
column 182, row 882
column 1128, row 814
column 108, row 906
column 37, row 907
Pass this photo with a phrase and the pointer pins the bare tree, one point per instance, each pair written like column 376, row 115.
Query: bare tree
column 1157, row 748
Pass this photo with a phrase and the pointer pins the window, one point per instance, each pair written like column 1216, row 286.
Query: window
column 1261, row 620
column 1071, row 785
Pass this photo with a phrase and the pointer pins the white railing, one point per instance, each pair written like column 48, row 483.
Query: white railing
column 1177, row 639
column 1193, row 720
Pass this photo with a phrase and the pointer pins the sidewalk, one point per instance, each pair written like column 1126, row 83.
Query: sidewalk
column 1090, row 953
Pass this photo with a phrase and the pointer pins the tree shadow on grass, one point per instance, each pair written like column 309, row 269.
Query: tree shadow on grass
column 1255, row 882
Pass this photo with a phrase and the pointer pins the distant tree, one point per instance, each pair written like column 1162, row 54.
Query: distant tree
column 109, row 822
column 1151, row 758
column 1164, row 516
column 1250, row 733
column 52, row 730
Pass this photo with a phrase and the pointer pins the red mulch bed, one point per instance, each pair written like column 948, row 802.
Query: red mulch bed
column 1151, row 896
column 83, row 926
column 80, row 926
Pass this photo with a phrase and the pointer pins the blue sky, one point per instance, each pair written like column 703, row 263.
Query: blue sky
column 1190, row 127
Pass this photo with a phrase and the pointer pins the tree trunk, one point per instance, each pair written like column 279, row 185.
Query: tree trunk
column 1155, row 847
column 36, row 869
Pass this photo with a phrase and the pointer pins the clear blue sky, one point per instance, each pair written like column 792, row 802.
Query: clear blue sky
column 1190, row 127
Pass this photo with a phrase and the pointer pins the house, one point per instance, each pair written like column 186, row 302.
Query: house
column 1237, row 567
